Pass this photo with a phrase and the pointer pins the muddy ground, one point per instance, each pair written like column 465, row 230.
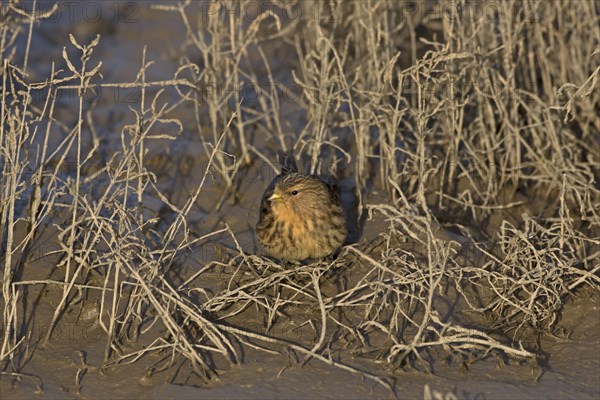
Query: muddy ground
column 69, row 365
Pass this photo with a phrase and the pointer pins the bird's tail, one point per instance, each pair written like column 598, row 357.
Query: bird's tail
column 287, row 163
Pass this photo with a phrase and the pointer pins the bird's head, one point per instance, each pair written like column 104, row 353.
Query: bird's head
column 298, row 194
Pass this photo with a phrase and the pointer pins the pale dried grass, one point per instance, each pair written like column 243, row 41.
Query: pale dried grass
column 462, row 128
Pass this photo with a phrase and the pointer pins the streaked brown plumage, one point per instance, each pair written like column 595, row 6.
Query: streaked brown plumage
column 300, row 216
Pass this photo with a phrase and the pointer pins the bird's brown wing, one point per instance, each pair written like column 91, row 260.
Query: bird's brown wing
column 333, row 194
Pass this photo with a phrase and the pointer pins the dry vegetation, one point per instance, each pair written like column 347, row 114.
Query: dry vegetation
column 479, row 116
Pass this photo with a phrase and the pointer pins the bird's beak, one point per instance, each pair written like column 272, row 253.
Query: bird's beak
column 276, row 197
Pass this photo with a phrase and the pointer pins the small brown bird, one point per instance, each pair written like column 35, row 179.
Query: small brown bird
column 300, row 216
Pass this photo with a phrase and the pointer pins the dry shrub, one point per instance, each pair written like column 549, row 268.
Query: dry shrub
column 479, row 115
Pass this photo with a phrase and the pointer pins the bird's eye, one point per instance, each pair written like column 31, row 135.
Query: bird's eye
column 294, row 192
